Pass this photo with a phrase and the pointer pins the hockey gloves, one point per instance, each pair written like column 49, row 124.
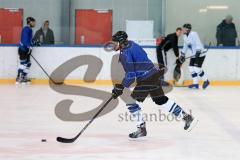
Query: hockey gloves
column 182, row 58
column 198, row 54
column 178, row 62
column 117, row 90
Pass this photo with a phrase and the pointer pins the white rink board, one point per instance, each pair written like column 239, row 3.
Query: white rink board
column 220, row 64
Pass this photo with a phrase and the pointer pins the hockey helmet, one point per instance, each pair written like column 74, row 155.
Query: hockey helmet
column 187, row 26
column 120, row 37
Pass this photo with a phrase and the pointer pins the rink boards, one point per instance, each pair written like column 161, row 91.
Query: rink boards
column 221, row 64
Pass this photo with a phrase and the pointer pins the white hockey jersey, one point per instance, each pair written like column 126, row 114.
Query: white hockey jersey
column 193, row 43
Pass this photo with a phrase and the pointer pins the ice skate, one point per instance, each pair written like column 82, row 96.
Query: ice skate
column 205, row 84
column 141, row 132
column 190, row 122
column 25, row 80
column 18, row 80
column 193, row 86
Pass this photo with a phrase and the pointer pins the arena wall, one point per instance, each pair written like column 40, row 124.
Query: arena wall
column 221, row 64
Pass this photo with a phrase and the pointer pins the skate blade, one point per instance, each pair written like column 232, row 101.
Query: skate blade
column 193, row 88
column 143, row 138
column 193, row 125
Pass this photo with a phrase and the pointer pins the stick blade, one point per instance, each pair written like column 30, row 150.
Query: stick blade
column 58, row 83
column 109, row 46
column 55, row 83
column 65, row 140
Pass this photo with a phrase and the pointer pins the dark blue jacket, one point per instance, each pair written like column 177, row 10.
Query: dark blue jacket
column 226, row 34
column 135, row 63
column 26, row 39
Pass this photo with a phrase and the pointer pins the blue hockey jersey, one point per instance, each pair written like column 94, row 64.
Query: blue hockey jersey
column 136, row 64
column 26, row 39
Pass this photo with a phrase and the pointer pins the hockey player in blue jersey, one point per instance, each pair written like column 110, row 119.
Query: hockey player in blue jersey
column 24, row 51
column 139, row 68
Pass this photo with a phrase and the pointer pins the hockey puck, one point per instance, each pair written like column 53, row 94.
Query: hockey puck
column 44, row 140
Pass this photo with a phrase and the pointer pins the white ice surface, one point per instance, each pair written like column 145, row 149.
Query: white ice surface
column 27, row 116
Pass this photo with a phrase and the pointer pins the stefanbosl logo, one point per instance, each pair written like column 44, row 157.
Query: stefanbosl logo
column 95, row 64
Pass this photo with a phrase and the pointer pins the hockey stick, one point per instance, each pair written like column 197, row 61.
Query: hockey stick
column 71, row 140
column 177, row 70
column 210, row 43
column 57, row 83
column 109, row 46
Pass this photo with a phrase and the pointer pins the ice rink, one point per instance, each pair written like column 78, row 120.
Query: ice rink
column 28, row 115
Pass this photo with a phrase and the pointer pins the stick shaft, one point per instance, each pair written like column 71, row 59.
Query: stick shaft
column 202, row 52
column 42, row 69
column 94, row 117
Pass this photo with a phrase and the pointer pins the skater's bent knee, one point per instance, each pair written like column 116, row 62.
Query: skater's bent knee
column 160, row 100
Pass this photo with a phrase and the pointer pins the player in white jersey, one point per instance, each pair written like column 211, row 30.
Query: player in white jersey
column 193, row 43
